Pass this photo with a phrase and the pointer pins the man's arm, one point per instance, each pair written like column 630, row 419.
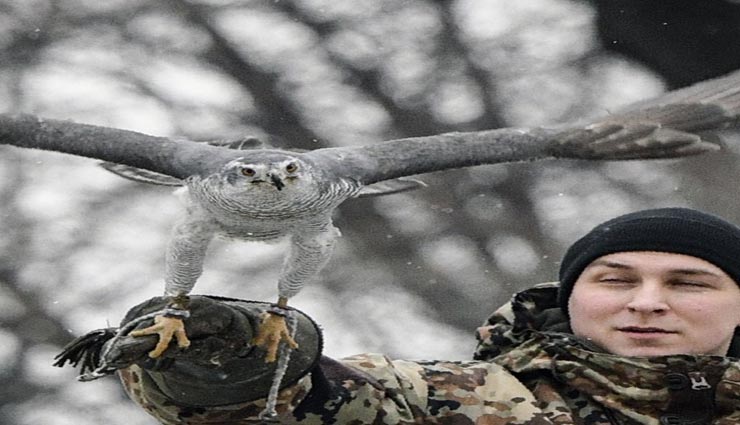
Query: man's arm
column 221, row 379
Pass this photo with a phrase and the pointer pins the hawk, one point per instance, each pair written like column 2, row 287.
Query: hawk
column 262, row 194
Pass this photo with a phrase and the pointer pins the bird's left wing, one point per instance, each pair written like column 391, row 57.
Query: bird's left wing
column 672, row 125
column 178, row 159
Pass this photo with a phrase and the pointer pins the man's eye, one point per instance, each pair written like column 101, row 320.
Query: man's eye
column 690, row 284
column 614, row 279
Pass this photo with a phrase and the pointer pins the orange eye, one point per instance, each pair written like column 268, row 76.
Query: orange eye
column 291, row 167
column 249, row 172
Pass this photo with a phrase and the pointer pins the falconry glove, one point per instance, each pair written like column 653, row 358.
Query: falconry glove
column 220, row 366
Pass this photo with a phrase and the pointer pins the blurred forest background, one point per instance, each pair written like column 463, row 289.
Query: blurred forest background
column 414, row 273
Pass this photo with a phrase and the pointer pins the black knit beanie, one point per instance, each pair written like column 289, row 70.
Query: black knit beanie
column 673, row 230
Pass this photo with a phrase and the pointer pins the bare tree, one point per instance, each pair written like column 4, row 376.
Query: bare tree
column 80, row 246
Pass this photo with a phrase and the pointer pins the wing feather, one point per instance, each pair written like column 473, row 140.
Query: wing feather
column 669, row 126
column 141, row 175
column 389, row 187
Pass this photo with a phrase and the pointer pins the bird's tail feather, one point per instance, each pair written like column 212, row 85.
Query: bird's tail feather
column 85, row 349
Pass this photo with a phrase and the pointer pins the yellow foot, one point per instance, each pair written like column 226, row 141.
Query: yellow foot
column 166, row 327
column 270, row 332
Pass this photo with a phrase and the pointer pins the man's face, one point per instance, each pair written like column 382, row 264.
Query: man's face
column 654, row 304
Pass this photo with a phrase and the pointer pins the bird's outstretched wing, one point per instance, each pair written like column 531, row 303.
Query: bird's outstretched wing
column 141, row 175
column 179, row 159
column 672, row 125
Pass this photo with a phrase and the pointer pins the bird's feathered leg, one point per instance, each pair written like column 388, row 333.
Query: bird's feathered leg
column 183, row 266
column 310, row 250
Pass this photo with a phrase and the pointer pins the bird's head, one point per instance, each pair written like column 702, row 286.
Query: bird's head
column 271, row 183
column 267, row 172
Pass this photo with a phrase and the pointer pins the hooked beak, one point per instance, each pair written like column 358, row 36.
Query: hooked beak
column 279, row 185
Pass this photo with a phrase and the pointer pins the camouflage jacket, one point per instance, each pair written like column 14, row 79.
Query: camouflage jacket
column 528, row 369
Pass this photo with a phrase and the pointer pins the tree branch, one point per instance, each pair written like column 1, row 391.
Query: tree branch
column 278, row 115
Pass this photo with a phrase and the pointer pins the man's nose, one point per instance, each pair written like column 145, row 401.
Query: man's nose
column 648, row 297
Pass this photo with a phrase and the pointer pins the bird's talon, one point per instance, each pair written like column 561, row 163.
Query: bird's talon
column 272, row 330
column 165, row 327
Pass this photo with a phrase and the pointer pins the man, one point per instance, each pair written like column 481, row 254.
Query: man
column 655, row 283
column 641, row 330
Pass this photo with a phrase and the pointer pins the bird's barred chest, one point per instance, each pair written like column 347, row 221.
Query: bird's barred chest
column 269, row 215
column 268, row 229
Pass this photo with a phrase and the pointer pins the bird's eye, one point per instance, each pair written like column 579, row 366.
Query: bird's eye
column 249, row 172
column 291, row 167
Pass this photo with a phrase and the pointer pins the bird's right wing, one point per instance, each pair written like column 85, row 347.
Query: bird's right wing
column 178, row 159
column 141, row 175
column 670, row 126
